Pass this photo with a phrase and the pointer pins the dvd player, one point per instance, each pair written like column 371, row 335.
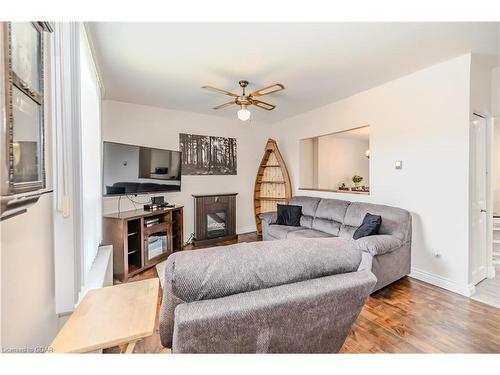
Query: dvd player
column 150, row 207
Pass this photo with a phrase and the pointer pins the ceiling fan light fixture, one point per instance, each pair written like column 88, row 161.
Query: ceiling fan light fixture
column 244, row 100
column 244, row 113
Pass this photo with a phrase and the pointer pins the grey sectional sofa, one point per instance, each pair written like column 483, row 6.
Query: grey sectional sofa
column 387, row 255
column 296, row 296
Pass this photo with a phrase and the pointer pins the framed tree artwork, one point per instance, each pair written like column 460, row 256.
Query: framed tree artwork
column 207, row 155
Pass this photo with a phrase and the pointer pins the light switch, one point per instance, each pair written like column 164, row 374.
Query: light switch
column 399, row 164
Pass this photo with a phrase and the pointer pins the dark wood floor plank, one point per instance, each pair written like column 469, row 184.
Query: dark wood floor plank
column 408, row 316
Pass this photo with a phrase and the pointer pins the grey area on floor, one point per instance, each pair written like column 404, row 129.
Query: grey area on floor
column 488, row 290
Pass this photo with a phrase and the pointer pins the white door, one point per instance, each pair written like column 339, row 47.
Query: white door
column 479, row 222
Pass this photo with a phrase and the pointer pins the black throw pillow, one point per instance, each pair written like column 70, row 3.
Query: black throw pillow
column 289, row 214
column 369, row 227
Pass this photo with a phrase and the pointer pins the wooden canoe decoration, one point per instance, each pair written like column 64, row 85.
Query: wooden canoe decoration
column 272, row 184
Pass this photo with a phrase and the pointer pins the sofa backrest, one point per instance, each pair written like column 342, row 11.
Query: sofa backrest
column 395, row 221
column 341, row 218
column 210, row 273
column 309, row 206
column 330, row 215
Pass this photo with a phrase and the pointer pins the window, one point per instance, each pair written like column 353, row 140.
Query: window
column 90, row 143
column 22, row 165
column 76, row 117
column 336, row 162
column 25, row 108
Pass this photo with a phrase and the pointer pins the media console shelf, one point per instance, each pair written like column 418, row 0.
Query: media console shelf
column 142, row 238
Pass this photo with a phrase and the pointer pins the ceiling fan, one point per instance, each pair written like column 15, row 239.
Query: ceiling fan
column 245, row 100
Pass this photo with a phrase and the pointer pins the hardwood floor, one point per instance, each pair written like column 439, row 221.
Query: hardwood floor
column 408, row 316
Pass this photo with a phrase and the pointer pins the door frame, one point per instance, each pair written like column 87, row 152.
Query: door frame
column 490, row 123
column 489, row 193
column 489, row 201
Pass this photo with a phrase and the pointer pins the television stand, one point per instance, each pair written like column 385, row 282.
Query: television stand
column 142, row 238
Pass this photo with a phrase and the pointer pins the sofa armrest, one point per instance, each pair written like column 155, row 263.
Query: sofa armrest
column 378, row 244
column 269, row 217
column 310, row 316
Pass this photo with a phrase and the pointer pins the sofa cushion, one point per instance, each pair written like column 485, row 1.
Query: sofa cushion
column 347, row 231
column 332, row 209
column 306, row 221
column 395, row 221
column 308, row 233
column 327, row 226
column 378, row 244
column 309, row 204
column 280, row 231
column 329, row 215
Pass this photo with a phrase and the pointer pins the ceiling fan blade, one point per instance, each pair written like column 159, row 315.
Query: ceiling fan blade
column 263, row 105
column 214, row 89
column 224, row 105
column 268, row 90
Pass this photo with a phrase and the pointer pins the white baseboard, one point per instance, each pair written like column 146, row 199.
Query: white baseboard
column 441, row 282
column 472, row 289
column 246, row 229
column 491, row 271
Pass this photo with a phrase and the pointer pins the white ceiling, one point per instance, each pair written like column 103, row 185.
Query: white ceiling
column 361, row 133
column 164, row 64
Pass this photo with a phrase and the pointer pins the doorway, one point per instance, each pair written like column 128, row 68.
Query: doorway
column 479, row 194
column 484, row 274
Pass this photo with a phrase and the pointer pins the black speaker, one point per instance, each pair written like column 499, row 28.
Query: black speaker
column 158, row 200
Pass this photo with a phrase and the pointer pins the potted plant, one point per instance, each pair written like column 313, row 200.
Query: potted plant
column 357, row 181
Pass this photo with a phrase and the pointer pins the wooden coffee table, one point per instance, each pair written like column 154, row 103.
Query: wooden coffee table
column 118, row 315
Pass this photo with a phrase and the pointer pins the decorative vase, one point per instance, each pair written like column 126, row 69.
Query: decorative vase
column 357, row 184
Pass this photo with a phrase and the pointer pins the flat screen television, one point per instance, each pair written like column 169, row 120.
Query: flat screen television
column 131, row 169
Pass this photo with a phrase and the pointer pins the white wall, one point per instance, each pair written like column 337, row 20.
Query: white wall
column 339, row 159
column 158, row 127
column 28, row 317
column 423, row 120
column 495, row 91
column 480, row 83
column 308, row 163
column 28, row 303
